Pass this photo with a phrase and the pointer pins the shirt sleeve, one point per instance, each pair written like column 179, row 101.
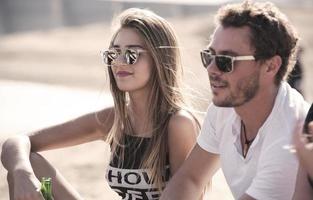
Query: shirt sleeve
column 276, row 173
column 208, row 139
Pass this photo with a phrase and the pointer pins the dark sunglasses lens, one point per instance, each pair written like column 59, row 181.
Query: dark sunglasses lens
column 206, row 58
column 109, row 57
column 223, row 63
column 131, row 56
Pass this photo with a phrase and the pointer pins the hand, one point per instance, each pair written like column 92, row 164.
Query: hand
column 26, row 186
column 301, row 140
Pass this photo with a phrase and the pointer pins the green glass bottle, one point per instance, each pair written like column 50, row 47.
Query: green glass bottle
column 46, row 188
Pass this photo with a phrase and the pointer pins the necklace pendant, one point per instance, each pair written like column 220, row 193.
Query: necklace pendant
column 246, row 143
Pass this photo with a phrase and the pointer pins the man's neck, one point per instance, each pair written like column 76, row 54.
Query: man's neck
column 255, row 112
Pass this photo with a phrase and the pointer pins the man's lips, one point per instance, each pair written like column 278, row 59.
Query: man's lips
column 218, row 84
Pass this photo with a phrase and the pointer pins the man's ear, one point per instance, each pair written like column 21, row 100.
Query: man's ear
column 273, row 65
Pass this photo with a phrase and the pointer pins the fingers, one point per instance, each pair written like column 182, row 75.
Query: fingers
column 31, row 196
column 27, row 189
column 309, row 146
column 298, row 140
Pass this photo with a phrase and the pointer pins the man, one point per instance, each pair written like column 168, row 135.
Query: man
column 254, row 111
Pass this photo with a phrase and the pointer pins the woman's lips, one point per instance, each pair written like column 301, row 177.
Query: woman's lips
column 123, row 73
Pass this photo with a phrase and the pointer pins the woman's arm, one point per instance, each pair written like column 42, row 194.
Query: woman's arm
column 303, row 190
column 90, row 127
column 183, row 130
column 16, row 150
column 304, row 149
column 15, row 158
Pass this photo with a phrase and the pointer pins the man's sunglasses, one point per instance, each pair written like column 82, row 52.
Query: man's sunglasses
column 130, row 56
column 224, row 63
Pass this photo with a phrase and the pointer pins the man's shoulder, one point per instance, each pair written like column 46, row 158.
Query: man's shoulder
column 219, row 116
column 293, row 98
column 290, row 105
column 216, row 110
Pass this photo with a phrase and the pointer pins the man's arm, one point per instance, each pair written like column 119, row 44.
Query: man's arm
column 190, row 180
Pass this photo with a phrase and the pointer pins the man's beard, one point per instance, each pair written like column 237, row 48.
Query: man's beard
column 245, row 90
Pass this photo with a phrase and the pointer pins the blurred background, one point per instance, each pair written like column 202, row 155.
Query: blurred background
column 51, row 70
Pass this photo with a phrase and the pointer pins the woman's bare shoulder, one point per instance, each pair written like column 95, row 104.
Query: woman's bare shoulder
column 183, row 119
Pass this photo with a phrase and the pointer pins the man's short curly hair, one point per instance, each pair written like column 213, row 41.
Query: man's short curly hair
column 271, row 32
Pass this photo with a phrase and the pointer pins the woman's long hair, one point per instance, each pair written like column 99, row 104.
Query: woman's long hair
column 164, row 99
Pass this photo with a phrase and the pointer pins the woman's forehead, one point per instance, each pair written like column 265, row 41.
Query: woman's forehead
column 128, row 37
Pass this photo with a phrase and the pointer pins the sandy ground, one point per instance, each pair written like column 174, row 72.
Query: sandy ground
column 47, row 77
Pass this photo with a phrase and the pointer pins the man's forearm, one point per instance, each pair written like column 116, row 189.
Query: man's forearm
column 196, row 172
column 181, row 188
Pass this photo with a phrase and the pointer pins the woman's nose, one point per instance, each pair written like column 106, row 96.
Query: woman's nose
column 120, row 60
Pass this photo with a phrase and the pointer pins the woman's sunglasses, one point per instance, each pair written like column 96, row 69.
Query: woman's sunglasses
column 130, row 56
column 223, row 62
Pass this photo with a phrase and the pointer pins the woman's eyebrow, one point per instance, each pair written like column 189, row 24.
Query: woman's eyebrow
column 129, row 46
column 134, row 46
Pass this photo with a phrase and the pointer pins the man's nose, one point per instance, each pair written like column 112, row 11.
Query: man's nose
column 212, row 68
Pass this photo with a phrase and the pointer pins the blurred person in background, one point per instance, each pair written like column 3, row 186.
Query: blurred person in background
column 254, row 111
column 295, row 77
column 150, row 128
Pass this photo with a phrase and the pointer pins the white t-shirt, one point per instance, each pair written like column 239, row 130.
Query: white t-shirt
column 269, row 170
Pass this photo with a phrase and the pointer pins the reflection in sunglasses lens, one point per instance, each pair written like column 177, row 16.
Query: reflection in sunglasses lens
column 206, row 59
column 131, row 56
column 110, row 57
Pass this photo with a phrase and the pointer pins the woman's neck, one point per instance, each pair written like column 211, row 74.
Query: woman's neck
column 138, row 109
column 138, row 104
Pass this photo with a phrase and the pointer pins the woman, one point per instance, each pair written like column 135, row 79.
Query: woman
column 149, row 128
column 304, row 147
